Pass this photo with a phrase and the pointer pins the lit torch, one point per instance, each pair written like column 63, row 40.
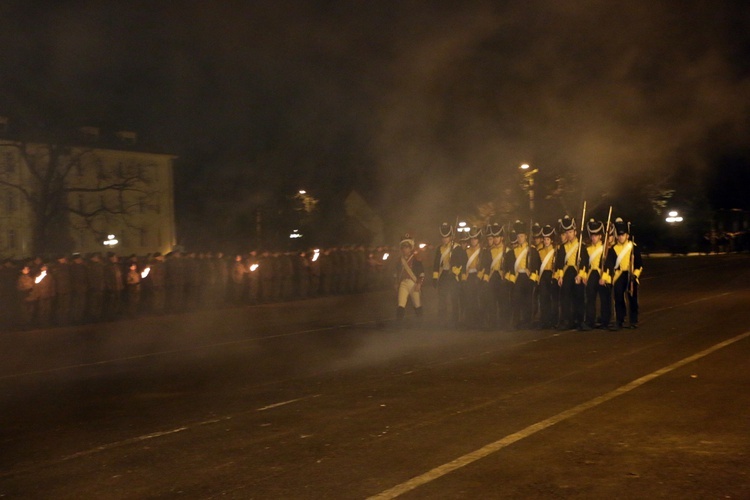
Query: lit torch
column 385, row 256
column 253, row 268
column 41, row 276
column 145, row 272
column 316, row 254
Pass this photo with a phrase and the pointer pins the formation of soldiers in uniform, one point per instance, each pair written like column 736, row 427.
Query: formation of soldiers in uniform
column 493, row 279
column 499, row 280
column 73, row 289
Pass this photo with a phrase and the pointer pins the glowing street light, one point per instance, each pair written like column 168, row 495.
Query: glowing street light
column 110, row 241
column 674, row 217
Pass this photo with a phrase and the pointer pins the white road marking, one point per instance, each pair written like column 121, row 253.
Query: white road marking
column 472, row 457
column 284, row 403
column 153, row 435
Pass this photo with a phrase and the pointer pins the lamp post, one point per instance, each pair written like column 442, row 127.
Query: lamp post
column 528, row 175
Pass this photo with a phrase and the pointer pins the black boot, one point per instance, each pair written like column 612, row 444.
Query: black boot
column 400, row 313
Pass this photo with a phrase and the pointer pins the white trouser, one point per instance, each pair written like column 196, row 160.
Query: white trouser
column 406, row 290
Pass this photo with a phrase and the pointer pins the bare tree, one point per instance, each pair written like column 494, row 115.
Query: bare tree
column 50, row 180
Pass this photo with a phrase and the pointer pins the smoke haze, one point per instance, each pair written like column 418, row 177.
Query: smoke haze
column 423, row 106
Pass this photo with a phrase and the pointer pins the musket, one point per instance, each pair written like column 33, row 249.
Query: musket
column 631, row 264
column 450, row 251
column 580, row 238
column 603, row 257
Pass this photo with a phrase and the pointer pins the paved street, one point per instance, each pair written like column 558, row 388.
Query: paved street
column 326, row 399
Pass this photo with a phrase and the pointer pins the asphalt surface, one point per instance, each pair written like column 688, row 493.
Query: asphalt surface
column 326, row 399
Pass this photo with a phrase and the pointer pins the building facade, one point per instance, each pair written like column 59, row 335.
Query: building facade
column 102, row 196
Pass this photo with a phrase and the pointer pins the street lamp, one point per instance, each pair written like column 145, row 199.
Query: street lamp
column 528, row 174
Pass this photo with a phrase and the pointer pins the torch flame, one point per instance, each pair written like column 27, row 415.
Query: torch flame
column 40, row 277
column 145, row 272
column 385, row 256
column 253, row 267
column 316, row 254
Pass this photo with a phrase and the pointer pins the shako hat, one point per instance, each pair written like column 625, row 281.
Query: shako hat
column 536, row 230
column 407, row 240
column 496, row 230
column 513, row 237
column 446, row 230
column 519, row 228
column 566, row 223
column 594, row 227
column 475, row 232
column 621, row 227
column 548, row 231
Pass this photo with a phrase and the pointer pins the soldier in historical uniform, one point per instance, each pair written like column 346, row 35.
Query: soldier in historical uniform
column 27, row 301
column 95, row 280
column 537, row 236
column 78, row 289
column 623, row 269
column 314, row 259
column 239, row 279
column 113, row 287
column 157, row 282
column 448, row 266
column 497, row 306
column 133, row 289
column 522, row 269
column 175, row 280
column 591, row 273
column 253, row 277
column 571, row 284
column 472, row 278
column 60, row 271
column 44, row 294
column 409, row 278
column 548, row 287
column 537, row 241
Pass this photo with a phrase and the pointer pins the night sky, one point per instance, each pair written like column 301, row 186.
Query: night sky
column 421, row 106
